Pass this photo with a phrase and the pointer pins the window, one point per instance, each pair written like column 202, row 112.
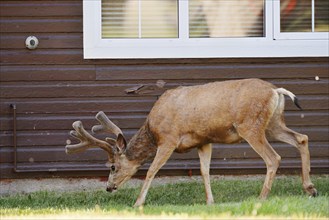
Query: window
column 205, row 28
column 301, row 19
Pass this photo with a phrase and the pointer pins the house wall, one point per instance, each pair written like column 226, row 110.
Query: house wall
column 53, row 86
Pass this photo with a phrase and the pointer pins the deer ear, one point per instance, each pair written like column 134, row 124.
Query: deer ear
column 121, row 143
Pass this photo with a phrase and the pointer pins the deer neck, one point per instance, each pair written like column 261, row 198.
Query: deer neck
column 142, row 146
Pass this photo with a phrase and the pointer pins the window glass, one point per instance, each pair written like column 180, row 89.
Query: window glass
column 139, row 19
column 226, row 18
column 296, row 15
column 159, row 18
column 116, row 23
column 321, row 15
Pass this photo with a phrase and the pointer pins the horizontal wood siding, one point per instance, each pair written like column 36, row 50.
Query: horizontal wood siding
column 53, row 86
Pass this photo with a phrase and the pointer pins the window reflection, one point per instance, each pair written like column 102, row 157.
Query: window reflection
column 296, row 16
column 226, row 18
column 159, row 18
column 139, row 18
column 207, row 18
column 116, row 22
column 321, row 15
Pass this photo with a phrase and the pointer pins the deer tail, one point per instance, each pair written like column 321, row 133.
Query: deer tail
column 290, row 94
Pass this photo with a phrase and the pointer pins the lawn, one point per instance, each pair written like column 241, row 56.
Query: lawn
column 234, row 198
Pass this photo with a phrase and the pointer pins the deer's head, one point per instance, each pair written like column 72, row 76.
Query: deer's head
column 121, row 169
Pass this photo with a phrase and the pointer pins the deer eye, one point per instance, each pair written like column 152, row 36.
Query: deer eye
column 112, row 168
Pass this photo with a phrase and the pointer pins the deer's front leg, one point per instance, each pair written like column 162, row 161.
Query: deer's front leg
column 205, row 157
column 163, row 154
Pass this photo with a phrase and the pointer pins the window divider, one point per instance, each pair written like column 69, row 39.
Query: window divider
column 139, row 19
column 313, row 16
column 183, row 20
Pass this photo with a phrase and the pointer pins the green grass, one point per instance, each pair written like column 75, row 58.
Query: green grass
column 233, row 198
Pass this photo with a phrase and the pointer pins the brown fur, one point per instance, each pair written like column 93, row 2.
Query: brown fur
column 142, row 146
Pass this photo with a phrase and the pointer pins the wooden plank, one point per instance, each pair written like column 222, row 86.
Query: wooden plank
column 41, row 25
column 314, row 133
column 214, row 72
column 77, row 106
column 39, row 154
column 136, row 104
column 40, row 8
column 304, row 118
column 168, row 69
column 244, row 151
column 232, row 165
column 52, row 154
column 22, row 74
column 46, row 40
column 64, row 122
column 239, row 164
column 46, row 138
column 312, row 102
column 43, row 57
column 69, row 89
column 103, row 89
column 53, row 137
column 132, row 120
column 103, row 174
column 319, row 64
column 304, row 86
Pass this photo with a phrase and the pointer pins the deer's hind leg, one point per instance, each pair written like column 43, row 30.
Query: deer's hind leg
column 281, row 133
column 257, row 140
column 205, row 157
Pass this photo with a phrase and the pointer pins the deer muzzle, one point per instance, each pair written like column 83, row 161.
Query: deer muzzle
column 111, row 188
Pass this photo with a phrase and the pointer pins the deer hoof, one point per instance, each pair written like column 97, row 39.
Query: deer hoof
column 315, row 193
column 138, row 204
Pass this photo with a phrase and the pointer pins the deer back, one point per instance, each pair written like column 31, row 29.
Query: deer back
column 209, row 113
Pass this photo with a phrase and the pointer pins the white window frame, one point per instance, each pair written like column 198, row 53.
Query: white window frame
column 274, row 44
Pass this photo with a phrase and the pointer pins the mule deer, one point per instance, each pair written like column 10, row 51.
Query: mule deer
column 195, row 117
